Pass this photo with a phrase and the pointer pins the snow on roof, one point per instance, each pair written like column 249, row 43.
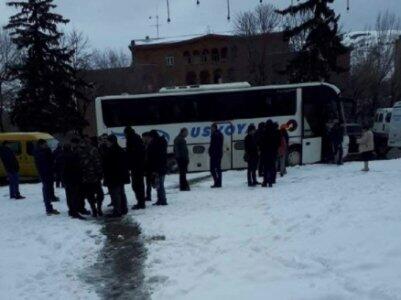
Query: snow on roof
column 173, row 40
column 360, row 39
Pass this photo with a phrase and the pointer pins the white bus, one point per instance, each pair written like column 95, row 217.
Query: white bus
column 307, row 108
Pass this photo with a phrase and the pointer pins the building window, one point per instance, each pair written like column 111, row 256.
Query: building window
column 205, row 56
column 191, row 78
column 196, row 57
column 218, row 76
column 224, row 53
column 204, row 77
column 233, row 53
column 215, row 55
column 187, row 57
column 170, row 61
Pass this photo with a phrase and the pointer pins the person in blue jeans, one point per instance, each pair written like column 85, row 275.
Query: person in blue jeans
column 11, row 166
column 44, row 163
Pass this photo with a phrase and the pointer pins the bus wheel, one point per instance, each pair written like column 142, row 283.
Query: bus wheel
column 172, row 165
column 294, row 156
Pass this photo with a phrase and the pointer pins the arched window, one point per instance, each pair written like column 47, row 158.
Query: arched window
column 205, row 56
column 196, row 57
column 215, row 55
column 187, row 57
column 191, row 78
column 224, row 53
column 204, row 77
column 218, row 76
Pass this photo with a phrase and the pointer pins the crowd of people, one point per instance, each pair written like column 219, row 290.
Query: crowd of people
column 83, row 165
column 266, row 150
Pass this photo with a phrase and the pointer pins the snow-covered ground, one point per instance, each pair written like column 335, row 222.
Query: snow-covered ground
column 324, row 232
column 43, row 257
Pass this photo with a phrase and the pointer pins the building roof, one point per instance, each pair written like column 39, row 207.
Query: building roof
column 186, row 39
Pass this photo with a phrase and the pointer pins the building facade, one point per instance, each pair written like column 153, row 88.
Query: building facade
column 214, row 58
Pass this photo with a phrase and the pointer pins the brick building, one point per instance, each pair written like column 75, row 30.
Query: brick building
column 214, row 58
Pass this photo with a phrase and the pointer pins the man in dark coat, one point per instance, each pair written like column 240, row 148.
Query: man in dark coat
column 136, row 162
column 71, row 176
column 116, row 175
column 216, row 155
column 11, row 167
column 148, row 174
column 182, row 157
column 269, row 151
column 259, row 135
column 157, row 157
column 58, row 165
column 337, row 139
column 251, row 155
column 44, row 162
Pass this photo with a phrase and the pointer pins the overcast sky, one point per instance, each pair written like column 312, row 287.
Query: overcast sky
column 114, row 23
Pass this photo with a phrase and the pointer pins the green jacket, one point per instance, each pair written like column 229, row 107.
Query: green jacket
column 181, row 148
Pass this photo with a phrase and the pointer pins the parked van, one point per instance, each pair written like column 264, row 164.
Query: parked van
column 394, row 140
column 381, row 130
column 23, row 145
column 382, row 121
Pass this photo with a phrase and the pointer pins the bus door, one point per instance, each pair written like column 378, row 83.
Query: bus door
column 227, row 130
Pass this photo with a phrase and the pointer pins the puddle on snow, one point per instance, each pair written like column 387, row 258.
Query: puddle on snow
column 118, row 272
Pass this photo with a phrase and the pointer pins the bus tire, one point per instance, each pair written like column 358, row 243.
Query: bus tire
column 172, row 165
column 294, row 156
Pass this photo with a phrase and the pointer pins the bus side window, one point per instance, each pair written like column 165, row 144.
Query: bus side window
column 381, row 117
column 15, row 147
column 30, row 147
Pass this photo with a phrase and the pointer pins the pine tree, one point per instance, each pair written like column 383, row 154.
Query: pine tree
column 318, row 58
column 47, row 100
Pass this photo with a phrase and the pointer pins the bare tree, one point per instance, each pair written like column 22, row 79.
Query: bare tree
column 78, row 42
column 9, row 56
column 396, row 84
column 251, row 25
column 109, row 58
column 373, row 66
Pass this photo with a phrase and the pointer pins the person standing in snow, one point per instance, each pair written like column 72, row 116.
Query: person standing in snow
column 148, row 174
column 71, row 176
column 11, row 166
column 91, row 167
column 44, row 162
column 116, row 176
column 269, row 150
column 366, row 147
column 251, row 155
column 136, row 161
column 259, row 139
column 337, row 139
column 216, row 155
column 58, row 165
column 157, row 158
column 283, row 150
column 182, row 157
